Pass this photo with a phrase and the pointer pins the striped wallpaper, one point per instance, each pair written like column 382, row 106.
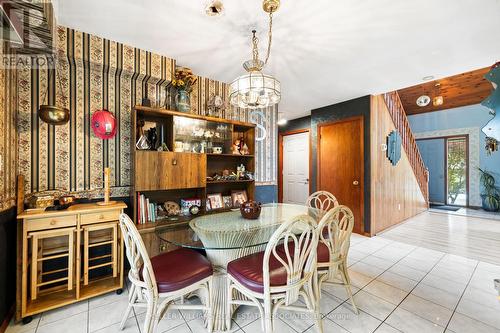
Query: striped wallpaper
column 7, row 138
column 94, row 73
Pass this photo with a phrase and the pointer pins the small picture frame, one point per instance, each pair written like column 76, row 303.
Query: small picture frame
column 239, row 197
column 227, row 201
column 215, row 201
column 208, row 207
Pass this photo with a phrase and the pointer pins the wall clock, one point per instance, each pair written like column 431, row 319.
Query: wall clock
column 394, row 147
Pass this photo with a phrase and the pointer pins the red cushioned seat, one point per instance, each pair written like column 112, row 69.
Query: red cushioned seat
column 248, row 271
column 323, row 254
column 179, row 269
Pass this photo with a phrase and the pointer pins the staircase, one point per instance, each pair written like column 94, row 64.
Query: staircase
column 400, row 120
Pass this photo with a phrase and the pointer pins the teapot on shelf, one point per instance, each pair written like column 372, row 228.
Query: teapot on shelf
column 250, row 209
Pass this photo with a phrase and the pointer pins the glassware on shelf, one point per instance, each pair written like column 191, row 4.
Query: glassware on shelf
column 201, row 136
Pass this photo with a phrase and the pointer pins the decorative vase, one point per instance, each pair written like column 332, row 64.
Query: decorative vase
column 250, row 210
column 182, row 101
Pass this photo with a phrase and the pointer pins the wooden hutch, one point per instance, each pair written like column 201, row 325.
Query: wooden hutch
column 194, row 147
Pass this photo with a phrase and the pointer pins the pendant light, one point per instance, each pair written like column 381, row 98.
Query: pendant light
column 256, row 90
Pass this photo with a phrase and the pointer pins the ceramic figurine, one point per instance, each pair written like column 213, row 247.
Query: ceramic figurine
column 244, row 150
column 236, row 148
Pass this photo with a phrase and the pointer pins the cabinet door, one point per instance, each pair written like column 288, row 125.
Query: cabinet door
column 169, row 170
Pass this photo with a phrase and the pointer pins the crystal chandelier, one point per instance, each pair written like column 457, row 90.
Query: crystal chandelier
column 257, row 90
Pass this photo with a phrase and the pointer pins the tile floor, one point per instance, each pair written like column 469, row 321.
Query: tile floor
column 398, row 288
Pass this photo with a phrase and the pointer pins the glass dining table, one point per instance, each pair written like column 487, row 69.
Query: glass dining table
column 228, row 236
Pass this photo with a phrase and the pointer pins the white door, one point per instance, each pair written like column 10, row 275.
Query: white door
column 296, row 168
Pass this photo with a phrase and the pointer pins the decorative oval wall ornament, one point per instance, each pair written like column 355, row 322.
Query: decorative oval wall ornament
column 261, row 133
column 394, row 147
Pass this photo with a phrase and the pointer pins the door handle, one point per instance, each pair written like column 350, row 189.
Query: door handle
column 355, row 183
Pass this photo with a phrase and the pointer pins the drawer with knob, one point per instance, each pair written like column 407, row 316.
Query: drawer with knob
column 50, row 223
column 106, row 216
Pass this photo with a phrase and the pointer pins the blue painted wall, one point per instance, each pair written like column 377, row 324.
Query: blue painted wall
column 432, row 152
column 266, row 193
column 467, row 116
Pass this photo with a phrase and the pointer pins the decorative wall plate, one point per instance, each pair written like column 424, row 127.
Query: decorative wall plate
column 394, row 147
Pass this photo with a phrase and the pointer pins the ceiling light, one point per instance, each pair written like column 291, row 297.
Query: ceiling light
column 438, row 100
column 423, row 101
column 282, row 122
column 428, row 78
column 214, row 8
column 256, row 90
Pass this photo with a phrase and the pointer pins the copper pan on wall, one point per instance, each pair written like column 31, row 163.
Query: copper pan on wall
column 53, row 115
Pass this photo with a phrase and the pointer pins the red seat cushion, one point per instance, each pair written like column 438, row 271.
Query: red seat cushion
column 248, row 271
column 323, row 254
column 179, row 269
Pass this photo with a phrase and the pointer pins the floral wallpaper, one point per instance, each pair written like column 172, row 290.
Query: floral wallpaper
column 7, row 138
column 94, row 73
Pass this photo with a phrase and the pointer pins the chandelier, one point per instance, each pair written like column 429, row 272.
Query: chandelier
column 256, row 90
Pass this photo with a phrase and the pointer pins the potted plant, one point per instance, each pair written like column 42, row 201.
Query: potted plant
column 491, row 194
column 183, row 81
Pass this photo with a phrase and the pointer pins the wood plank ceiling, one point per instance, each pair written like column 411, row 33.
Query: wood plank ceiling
column 459, row 90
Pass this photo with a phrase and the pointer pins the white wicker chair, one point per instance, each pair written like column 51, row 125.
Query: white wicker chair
column 322, row 200
column 144, row 290
column 334, row 241
column 284, row 273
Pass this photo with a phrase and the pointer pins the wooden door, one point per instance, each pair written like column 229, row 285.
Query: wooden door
column 296, row 168
column 340, row 164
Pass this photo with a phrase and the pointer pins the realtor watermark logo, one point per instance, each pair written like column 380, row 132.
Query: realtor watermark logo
column 26, row 26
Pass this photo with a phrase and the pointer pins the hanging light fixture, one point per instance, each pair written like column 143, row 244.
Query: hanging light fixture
column 256, row 90
column 438, row 100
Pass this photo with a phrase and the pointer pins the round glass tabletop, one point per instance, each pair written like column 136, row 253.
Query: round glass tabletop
column 229, row 230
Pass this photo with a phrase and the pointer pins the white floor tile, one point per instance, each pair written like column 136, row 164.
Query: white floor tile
column 453, row 274
column 386, row 292
column 482, row 297
column 378, row 262
column 373, row 305
column 444, row 284
column 344, row 317
column 359, row 280
column 484, row 266
column 108, row 298
column 384, row 328
column 171, row 319
column 184, row 328
column 131, row 326
column 107, row 315
column 366, row 269
column 338, row 291
column 328, row 327
column 408, row 322
column 407, row 271
column 462, row 324
column 279, row 326
column 417, row 263
column 245, row 315
column 426, row 309
column 64, row 312
column 20, row 328
column 328, row 303
column 487, row 315
column 74, row 324
column 436, row 295
column 397, row 281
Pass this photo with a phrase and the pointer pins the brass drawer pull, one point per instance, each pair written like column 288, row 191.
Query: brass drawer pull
column 174, row 162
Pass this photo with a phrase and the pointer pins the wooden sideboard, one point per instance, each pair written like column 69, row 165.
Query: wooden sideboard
column 68, row 255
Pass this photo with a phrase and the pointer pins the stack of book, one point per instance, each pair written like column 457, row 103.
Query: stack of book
column 146, row 211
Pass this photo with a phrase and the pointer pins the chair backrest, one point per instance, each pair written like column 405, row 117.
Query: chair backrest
column 294, row 245
column 141, row 272
column 322, row 200
column 336, row 229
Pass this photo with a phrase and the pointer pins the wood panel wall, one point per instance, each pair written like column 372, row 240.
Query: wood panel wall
column 395, row 193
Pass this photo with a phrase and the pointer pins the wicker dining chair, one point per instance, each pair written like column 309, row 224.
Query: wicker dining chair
column 333, row 247
column 277, row 277
column 323, row 201
column 157, row 282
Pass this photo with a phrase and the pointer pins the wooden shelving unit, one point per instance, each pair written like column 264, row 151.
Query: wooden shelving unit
column 171, row 176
